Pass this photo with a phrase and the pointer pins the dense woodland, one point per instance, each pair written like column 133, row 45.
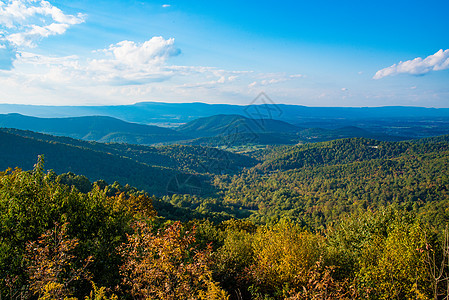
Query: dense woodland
column 344, row 219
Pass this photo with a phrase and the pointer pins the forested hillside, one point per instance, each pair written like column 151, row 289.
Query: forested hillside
column 183, row 158
column 228, row 124
column 347, row 151
column 57, row 242
column 22, row 152
column 225, row 131
column 147, row 168
column 345, row 219
column 236, row 130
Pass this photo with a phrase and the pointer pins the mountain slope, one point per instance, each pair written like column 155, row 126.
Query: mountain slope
column 317, row 194
column 93, row 128
column 237, row 130
column 194, row 159
column 404, row 121
column 344, row 151
column 321, row 134
column 245, row 139
column 22, row 152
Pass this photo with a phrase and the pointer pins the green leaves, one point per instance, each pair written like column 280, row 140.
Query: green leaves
column 32, row 202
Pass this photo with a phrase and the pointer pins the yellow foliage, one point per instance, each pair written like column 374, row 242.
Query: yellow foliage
column 213, row 292
column 99, row 294
column 393, row 268
column 284, row 254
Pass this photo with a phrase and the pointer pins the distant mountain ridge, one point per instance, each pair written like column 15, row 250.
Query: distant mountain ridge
column 236, row 130
column 215, row 131
column 153, row 112
column 401, row 121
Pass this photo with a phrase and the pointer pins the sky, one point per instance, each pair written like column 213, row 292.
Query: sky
column 313, row 53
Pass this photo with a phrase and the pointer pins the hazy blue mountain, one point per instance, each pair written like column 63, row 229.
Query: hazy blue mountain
column 92, row 128
column 220, row 125
column 143, row 112
column 237, row 130
column 158, row 112
column 400, row 121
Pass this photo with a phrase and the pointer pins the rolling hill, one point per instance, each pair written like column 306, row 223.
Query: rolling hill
column 190, row 159
column 93, row 128
column 216, row 131
column 344, row 151
column 22, row 152
column 222, row 125
column 236, row 130
column 321, row 134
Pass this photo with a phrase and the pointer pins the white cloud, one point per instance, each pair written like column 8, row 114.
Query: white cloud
column 344, row 89
column 166, row 5
column 154, row 51
column 126, row 71
column 270, row 79
column 418, row 66
column 128, row 62
column 28, row 21
column 124, row 63
column 221, row 80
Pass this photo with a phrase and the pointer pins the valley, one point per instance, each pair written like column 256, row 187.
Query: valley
column 240, row 185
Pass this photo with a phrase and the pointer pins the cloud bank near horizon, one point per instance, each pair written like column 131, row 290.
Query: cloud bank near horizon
column 127, row 68
column 129, row 65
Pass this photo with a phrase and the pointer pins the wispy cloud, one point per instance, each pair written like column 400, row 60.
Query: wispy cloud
column 273, row 79
column 124, row 63
column 27, row 21
column 130, row 62
column 119, row 71
column 418, row 66
column 24, row 22
column 154, row 51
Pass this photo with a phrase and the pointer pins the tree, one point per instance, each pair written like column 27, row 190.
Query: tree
column 51, row 265
column 166, row 266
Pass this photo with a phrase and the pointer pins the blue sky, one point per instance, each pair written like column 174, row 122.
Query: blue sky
column 327, row 53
